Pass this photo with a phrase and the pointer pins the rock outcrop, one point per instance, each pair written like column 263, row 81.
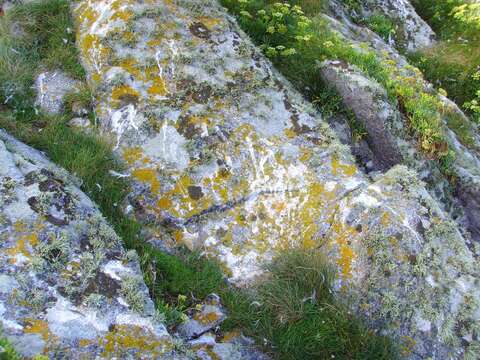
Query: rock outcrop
column 67, row 287
column 461, row 198
column 225, row 157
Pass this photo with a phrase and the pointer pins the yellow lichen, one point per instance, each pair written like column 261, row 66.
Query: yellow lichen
column 22, row 247
column 347, row 170
column 206, row 318
column 122, row 91
column 131, row 155
column 125, row 338
column 147, row 176
column 35, row 326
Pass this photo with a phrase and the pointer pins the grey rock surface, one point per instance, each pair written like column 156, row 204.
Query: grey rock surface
column 51, row 87
column 369, row 102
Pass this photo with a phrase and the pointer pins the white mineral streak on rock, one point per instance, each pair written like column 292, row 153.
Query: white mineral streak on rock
column 168, row 147
column 125, row 119
column 236, row 164
column 115, row 269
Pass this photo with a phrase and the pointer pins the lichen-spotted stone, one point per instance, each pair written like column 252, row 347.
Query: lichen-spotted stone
column 225, row 157
column 63, row 272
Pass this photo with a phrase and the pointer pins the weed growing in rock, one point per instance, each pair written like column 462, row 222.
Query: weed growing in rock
column 7, row 352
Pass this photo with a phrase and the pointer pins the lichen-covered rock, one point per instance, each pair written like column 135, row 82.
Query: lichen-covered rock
column 51, row 87
column 369, row 102
column 67, row 287
column 225, row 157
column 231, row 346
column 205, row 317
column 205, row 342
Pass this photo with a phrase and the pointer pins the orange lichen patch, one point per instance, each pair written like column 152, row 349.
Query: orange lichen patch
column 164, row 203
column 209, row 22
column 154, row 42
column 20, row 226
column 124, row 91
column 84, row 342
column 132, row 155
column 97, row 77
column 343, row 236
column 148, row 176
column 230, row 336
column 158, row 88
column 385, row 219
column 22, row 247
column 347, row 170
column 290, row 133
column 178, row 235
column 117, row 4
column 85, row 12
column 129, row 37
column 207, row 318
column 306, row 155
column 124, row 338
column 124, row 15
column 35, row 326
column 93, row 50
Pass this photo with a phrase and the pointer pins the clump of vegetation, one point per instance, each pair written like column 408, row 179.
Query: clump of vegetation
column 454, row 62
column 302, row 318
column 382, row 25
column 7, row 352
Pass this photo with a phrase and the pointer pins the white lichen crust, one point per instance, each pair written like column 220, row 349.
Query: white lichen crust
column 225, row 157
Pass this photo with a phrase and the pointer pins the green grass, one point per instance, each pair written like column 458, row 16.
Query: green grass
column 289, row 326
column 7, row 352
column 452, row 63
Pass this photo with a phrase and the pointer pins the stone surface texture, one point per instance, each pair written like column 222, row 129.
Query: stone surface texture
column 67, row 288
column 51, row 87
column 225, row 157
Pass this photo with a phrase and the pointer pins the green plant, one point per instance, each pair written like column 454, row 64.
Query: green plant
column 382, row 25
column 453, row 62
column 7, row 352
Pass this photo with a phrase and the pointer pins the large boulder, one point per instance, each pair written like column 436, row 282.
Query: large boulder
column 67, row 287
column 225, row 157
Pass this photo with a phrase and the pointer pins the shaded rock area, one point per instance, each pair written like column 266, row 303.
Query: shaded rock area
column 369, row 102
column 225, row 157
column 67, row 288
column 206, row 342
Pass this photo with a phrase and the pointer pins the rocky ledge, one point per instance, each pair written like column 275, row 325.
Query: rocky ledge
column 225, row 157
